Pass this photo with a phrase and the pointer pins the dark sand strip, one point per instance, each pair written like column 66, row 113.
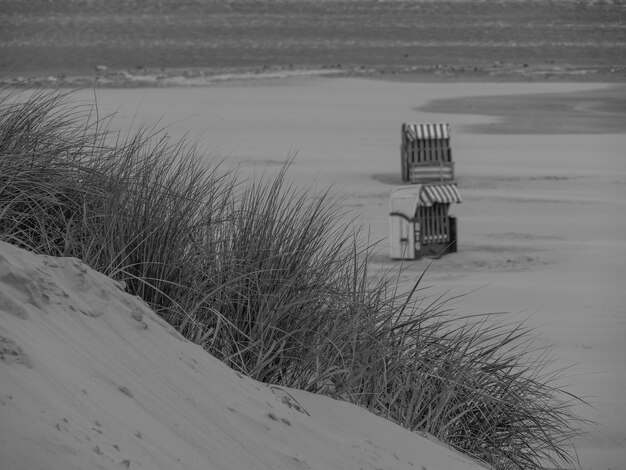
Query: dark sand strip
column 601, row 111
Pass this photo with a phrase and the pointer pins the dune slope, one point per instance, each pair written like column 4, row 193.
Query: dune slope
column 90, row 377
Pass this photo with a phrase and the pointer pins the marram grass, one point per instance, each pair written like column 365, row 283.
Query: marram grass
column 271, row 280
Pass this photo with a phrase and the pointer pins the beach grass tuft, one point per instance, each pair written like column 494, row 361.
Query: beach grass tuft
column 274, row 280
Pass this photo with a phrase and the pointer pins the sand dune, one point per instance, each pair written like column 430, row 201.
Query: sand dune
column 91, row 378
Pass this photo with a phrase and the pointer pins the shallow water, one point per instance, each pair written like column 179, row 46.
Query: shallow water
column 66, row 35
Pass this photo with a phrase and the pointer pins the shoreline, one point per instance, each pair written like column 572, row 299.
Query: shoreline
column 141, row 77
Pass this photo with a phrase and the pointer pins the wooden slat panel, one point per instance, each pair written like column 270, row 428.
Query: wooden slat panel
column 435, row 225
column 432, row 225
column 404, row 164
column 431, row 173
column 444, row 224
column 438, row 143
column 431, row 142
column 419, row 144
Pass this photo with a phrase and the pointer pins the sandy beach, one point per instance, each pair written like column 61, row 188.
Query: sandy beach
column 544, row 212
column 540, row 237
column 535, row 95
